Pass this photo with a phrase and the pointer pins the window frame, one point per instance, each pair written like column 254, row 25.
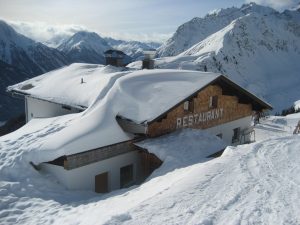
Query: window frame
column 188, row 105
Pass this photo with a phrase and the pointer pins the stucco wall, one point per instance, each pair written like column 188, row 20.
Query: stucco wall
column 227, row 129
column 36, row 108
column 83, row 178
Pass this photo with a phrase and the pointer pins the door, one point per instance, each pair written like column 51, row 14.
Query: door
column 101, row 183
column 126, row 176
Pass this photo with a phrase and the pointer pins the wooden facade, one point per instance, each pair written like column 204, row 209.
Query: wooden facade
column 149, row 161
column 200, row 113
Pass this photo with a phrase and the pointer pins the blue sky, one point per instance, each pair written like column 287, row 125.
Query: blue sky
column 130, row 19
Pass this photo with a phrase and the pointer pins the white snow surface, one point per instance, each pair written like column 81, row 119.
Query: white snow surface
column 256, row 183
column 137, row 95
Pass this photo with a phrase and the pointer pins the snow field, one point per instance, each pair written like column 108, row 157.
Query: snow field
column 250, row 184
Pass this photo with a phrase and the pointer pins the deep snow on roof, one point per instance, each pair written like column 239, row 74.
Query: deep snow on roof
column 138, row 95
column 74, row 85
column 80, row 84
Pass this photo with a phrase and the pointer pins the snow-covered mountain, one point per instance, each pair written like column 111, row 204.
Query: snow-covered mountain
column 132, row 48
column 86, row 47
column 57, row 40
column 22, row 58
column 260, row 50
column 198, row 29
column 27, row 55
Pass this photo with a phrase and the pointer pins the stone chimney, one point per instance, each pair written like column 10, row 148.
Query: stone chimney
column 148, row 62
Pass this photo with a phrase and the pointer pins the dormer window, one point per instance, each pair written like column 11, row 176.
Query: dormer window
column 213, row 102
column 188, row 105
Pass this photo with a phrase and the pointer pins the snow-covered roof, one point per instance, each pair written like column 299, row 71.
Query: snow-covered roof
column 140, row 96
column 82, row 84
column 75, row 85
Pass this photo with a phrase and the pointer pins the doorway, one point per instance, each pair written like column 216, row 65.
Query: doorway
column 101, row 183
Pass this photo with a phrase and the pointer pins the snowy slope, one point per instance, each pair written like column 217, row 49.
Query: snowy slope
column 249, row 184
column 27, row 55
column 198, row 29
column 260, row 51
column 86, row 47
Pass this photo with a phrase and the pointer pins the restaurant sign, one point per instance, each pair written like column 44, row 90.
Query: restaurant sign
column 199, row 118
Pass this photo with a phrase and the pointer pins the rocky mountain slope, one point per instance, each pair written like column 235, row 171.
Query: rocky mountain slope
column 260, row 50
column 22, row 58
column 27, row 55
column 10, row 106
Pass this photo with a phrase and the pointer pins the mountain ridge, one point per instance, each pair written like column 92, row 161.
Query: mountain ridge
column 197, row 29
column 258, row 50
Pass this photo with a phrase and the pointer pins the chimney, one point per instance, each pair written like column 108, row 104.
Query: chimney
column 148, row 62
column 114, row 57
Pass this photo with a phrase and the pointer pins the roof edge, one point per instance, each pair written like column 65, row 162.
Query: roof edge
column 16, row 92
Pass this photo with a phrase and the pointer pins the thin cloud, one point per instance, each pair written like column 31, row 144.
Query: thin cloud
column 43, row 32
column 276, row 4
column 49, row 34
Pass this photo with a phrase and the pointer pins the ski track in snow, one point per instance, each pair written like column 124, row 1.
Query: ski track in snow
column 250, row 184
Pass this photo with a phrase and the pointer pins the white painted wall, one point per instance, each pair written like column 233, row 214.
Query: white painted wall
column 226, row 129
column 36, row 108
column 83, row 178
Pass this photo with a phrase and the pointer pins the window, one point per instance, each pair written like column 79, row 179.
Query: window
column 188, row 105
column 126, row 176
column 236, row 135
column 213, row 102
column 220, row 135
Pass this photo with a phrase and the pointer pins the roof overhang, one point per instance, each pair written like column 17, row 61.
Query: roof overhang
column 17, row 93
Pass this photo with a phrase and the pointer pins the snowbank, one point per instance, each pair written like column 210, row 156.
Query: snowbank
column 184, row 147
